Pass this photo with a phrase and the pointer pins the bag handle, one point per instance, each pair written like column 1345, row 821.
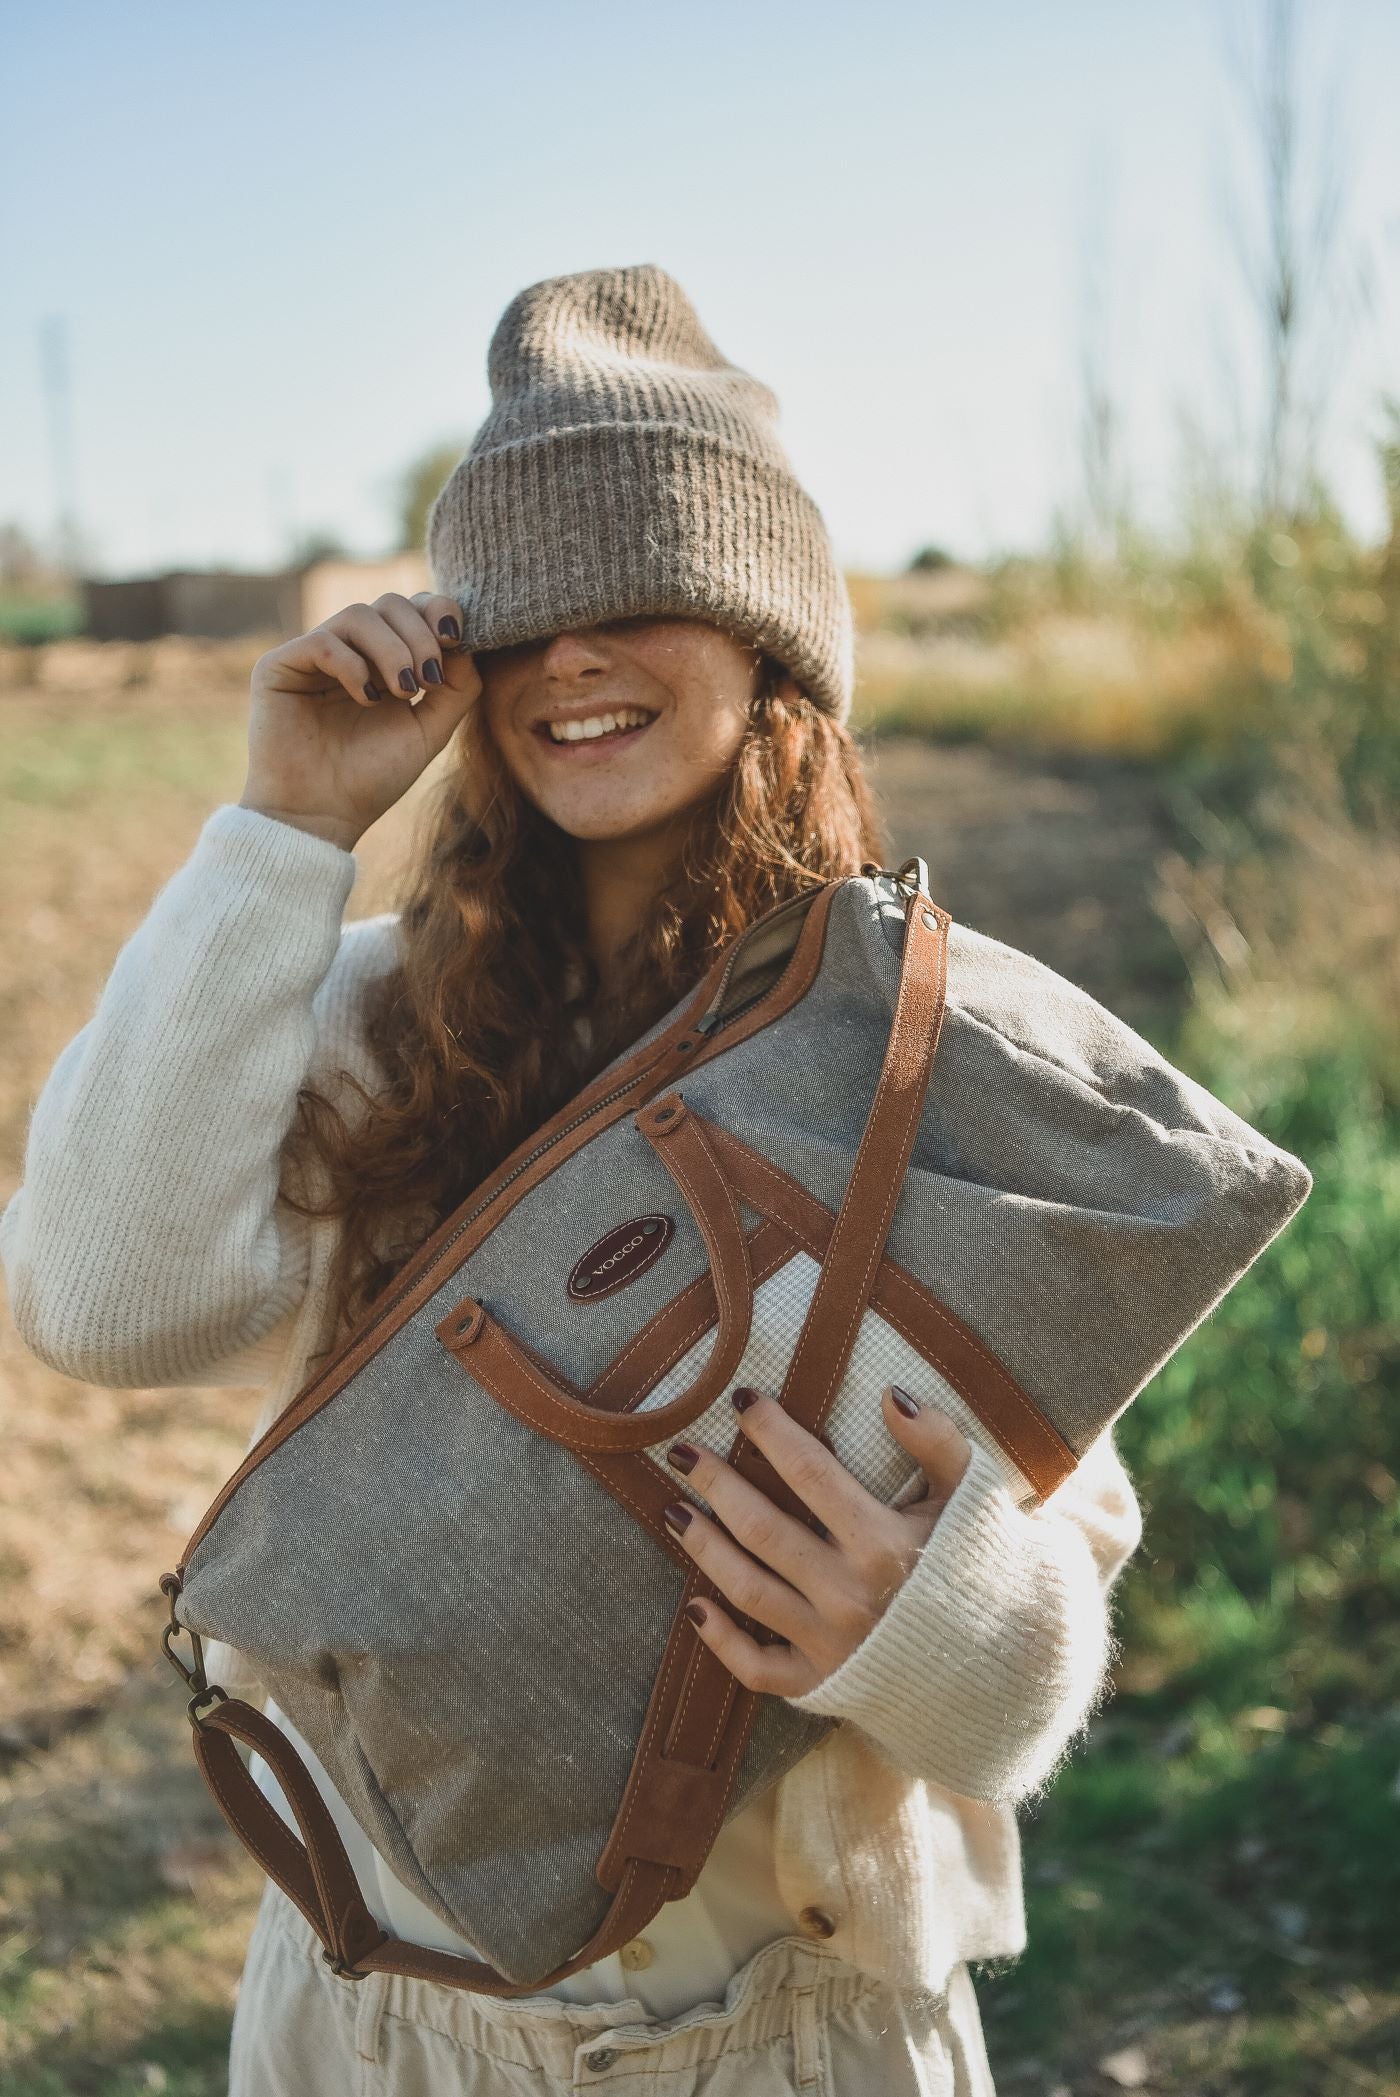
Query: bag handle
column 517, row 1377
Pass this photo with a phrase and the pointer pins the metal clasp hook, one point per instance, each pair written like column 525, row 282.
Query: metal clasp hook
column 193, row 1677
column 916, row 885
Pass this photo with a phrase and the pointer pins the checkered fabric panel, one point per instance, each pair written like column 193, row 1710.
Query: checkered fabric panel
column 855, row 1424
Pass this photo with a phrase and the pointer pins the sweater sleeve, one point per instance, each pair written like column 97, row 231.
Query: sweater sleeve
column 993, row 1653
column 146, row 1244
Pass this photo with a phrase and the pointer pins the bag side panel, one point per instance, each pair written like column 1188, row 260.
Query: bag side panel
column 487, row 1659
column 1082, row 1229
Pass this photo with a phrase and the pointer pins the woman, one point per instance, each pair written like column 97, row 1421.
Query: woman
column 638, row 648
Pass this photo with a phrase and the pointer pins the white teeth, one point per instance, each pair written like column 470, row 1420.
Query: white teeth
column 596, row 724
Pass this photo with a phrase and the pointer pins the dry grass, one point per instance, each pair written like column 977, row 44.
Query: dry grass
column 1008, row 661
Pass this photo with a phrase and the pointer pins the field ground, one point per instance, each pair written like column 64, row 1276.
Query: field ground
column 1181, row 1940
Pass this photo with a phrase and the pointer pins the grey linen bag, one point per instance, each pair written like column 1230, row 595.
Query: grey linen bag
column 765, row 1189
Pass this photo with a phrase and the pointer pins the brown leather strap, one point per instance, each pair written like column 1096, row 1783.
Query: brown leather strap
column 699, row 1717
column 514, row 1375
column 639, row 1366
column 1008, row 1412
column 316, row 1874
column 823, row 1349
column 697, row 1724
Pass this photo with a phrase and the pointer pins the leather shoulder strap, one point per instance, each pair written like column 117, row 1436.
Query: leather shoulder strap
column 857, row 1246
column 699, row 1716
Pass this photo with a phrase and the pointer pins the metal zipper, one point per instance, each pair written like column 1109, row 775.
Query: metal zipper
column 710, row 1018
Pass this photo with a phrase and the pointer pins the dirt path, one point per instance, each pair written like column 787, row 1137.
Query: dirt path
column 1055, row 854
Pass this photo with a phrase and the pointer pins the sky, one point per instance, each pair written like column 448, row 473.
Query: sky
column 276, row 239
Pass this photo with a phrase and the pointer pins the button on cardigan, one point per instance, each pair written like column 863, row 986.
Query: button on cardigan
column 147, row 1245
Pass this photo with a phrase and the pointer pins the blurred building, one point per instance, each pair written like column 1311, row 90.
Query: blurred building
column 328, row 586
column 224, row 604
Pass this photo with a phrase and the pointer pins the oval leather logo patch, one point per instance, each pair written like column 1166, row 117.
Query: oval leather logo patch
column 620, row 1257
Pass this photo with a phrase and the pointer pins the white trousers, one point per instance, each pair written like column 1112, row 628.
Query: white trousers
column 796, row 2021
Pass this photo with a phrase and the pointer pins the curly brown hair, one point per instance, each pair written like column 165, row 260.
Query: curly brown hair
column 475, row 1029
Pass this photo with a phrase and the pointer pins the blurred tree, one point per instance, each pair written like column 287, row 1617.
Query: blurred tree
column 317, row 544
column 929, row 558
column 418, row 488
column 1103, row 523
column 1388, row 451
column 1306, row 287
column 21, row 563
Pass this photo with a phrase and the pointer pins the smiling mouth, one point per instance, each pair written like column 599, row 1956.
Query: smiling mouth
column 609, row 726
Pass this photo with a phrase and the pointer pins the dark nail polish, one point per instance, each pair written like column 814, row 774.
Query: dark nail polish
column 407, row 681
column 431, row 674
column 744, row 1398
column 450, row 629
column 695, row 1612
column 677, row 1516
column 910, row 1407
column 682, row 1457
column 372, row 691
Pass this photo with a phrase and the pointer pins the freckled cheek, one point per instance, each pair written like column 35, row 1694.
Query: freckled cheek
column 710, row 736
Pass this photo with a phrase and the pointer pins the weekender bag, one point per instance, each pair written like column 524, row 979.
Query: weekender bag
column 777, row 1185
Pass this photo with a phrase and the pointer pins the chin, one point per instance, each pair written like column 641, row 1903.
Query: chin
column 597, row 827
column 605, row 822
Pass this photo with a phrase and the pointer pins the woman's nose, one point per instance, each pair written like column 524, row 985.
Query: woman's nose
column 572, row 654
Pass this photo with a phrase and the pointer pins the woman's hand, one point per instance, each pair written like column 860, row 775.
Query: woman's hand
column 334, row 736
column 822, row 1594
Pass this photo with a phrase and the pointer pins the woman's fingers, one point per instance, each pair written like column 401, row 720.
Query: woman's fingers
column 852, row 1516
column 780, row 1670
column 445, row 706
column 424, row 646
column 387, row 650
column 442, row 614
column 803, row 1559
column 323, row 659
column 753, row 1589
column 373, row 636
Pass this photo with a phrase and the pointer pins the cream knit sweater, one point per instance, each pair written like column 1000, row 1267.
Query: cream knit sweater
column 148, row 1246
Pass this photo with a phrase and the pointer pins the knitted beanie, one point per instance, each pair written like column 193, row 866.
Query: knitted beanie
column 626, row 467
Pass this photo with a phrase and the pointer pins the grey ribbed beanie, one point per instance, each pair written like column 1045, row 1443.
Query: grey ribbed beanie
column 625, row 466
